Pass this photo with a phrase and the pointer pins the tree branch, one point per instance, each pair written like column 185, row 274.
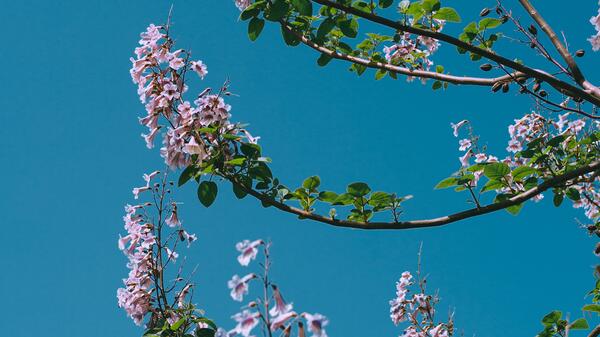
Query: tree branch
column 560, row 85
column 562, row 50
column 434, row 222
column 481, row 81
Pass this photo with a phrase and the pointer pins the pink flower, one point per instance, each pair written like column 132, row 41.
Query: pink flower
column 248, row 251
column 136, row 191
column 173, row 220
column 514, row 146
column 171, row 255
column 464, row 144
column 280, row 308
column 457, row 126
column 176, row 63
column 148, row 177
column 281, row 320
column 192, row 147
column 189, row 238
column 182, row 294
column 438, row 331
column 149, row 138
column 242, row 4
column 464, row 160
column 480, row 157
column 316, row 323
column 239, row 286
column 246, row 322
column 576, row 126
column 200, row 68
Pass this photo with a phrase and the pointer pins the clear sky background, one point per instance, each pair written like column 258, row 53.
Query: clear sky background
column 72, row 152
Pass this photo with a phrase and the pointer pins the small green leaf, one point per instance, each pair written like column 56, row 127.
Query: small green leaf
column 323, row 60
column 358, row 189
column 325, row 27
column 579, row 324
column 385, row 3
column 492, row 185
column 447, row 13
column 311, row 183
column 522, row 172
column 558, row 198
column 514, row 209
column 207, row 192
column 304, row 7
column 186, row 175
column 239, row 192
column 255, row 27
column 448, row 182
column 344, row 199
column 552, row 317
column 328, row 196
column 592, row 307
column 349, row 27
column 236, row 161
column 489, row 23
column 278, row 10
column 573, row 194
column 496, row 171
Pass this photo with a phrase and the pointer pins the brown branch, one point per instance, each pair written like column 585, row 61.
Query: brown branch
column 595, row 332
column 562, row 50
column 560, row 85
column 435, row 222
column 402, row 70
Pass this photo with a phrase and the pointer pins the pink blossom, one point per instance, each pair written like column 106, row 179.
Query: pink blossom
column 456, row 127
column 136, row 191
column 239, row 286
column 246, row 322
column 316, row 324
column 514, row 146
column 248, row 251
column 464, row 160
column 464, row 144
column 576, row 126
column 171, row 255
column 149, row 138
column 281, row 320
column 173, row 220
column 176, row 63
column 182, row 294
column 280, row 308
column 480, row 157
column 200, row 68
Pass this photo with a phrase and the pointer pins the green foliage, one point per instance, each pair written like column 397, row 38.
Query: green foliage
column 207, row 192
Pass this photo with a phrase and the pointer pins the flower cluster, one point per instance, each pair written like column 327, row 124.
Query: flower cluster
column 160, row 73
column 150, row 249
column 418, row 310
column 538, row 146
column 414, row 51
column 271, row 309
column 595, row 39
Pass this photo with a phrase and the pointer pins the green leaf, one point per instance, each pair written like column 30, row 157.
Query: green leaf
column 236, row 161
column 514, row 209
column 278, row 11
column 489, row 23
column 496, row 170
column 255, row 27
column 344, row 199
column 448, row 182
column 579, row 324
column 323, row 60
column 325, row 27
column 358, row 189
column 558, row 198
column 447, row 13
column 592, row 307
column 379, row 74
column 239, row 192
column 385, row 3
column 207, row 192
column 311, row 183
column 289, row 38
column 522, row 172
column 204, row 332
column 186, row 175
column 492, row 185
column 380, row 199
column 304, row 7
column 573, row 194
column 349, row 27
column 430, row 5
column 552, row 317
column 328, row 196
column 362, row 6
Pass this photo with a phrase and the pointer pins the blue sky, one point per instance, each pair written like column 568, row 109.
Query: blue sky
column 72, row 153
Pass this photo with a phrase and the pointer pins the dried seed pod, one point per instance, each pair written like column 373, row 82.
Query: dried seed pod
column 505, row 87
column 504, row 18
column 499, row 10
column 532, row 29
column 496, row 86
column 484, row 12
column 486, row 67
column 580, row 53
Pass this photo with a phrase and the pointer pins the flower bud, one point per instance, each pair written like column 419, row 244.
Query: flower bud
column 505, row 87
column 543, row 93
column 484, row 12
column 532, row 29
column 597, row 249
column 486, row 67
column 580, row 53
column 536, row 87
column 504, row 18
column 497, row 86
